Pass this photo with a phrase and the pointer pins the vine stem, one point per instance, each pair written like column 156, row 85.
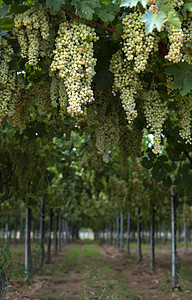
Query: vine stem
column 95, row 23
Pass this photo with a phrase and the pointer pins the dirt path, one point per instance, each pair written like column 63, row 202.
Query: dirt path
column 109, row 275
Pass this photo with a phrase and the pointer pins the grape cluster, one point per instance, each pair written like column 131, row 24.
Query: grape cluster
column 74, row 61
column 175, row 3
column 126, row 82
column 138, row 191
column 117, row 189
column 137, row 44
column 17, row 111
column 185, row 109
column 20, row 116
column 103, row 122
column 7, row 79
column 6, row 53
column 169, row 83
column 34, row 34
column 187, row 39
column 128, row 102
column 42, row 96
column 6, row 105
column 155, row 112
column 175, row 36
column 153, row 6
column 11, row 94
column 58, row 92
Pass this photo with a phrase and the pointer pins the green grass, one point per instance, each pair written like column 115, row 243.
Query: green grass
column 87, row 251
column 17, row 256
column 101, row 279
column 186, row 273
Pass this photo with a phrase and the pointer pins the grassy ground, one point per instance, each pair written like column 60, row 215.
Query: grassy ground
column 99, row 271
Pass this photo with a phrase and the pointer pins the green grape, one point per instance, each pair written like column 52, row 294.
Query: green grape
column 153, row 6
column 8, row 95
column 184, row 105
column 137, row 44
column 42, row 95
column 34, row 30
column 187, row 39
column 155, row 112
column 175, row 3
column 20, row 117
column 6, row 53
column 169, row 83
column 126, row 81
column 103, row 122
column 74, row 63
column 175, row 36
column 58, row 92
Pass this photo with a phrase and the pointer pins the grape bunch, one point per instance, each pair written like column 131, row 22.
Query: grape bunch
column 155, row 113
column 6, row 53
column 175, row 3
column 9, row 86
column 187, row 39
column 42, row 96
column 58, row 92
column 6, row 95
column 74, row 64
column 153, row 6
column 184, row 105
column 103, row 122
column 34, row 32
column 137, row 44
column 126, row 82
column 18, row 111
column 175, row 36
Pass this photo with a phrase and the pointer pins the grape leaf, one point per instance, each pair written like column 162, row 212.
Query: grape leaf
column 6, row 24
column 186, row 7
column 118, row 27
column 172, row 16
column 151, row 20
column 86, row 8
column 182, row 73
column 132, row 3
column 55, row 4
column 147, row 163
column 3, row 10
column 107, row 12
column 173, row 19
column 7, row 2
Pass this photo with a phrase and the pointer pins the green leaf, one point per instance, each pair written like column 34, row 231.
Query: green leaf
column 55, row 4
column 86, row 8
column 108, row 12
column 119, row 28
column 7, row 2
column 3, row 10
column 172, row 16
column 182, row 73
column 132, row 3
column 147, row 163
column 158, row 173
column 186, row 7
column 167, row 182
column 18, row 9
column 6, row 23
column 173, row 19
column 151, row 20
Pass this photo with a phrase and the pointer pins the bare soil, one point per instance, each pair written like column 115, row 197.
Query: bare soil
column 111, row 275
